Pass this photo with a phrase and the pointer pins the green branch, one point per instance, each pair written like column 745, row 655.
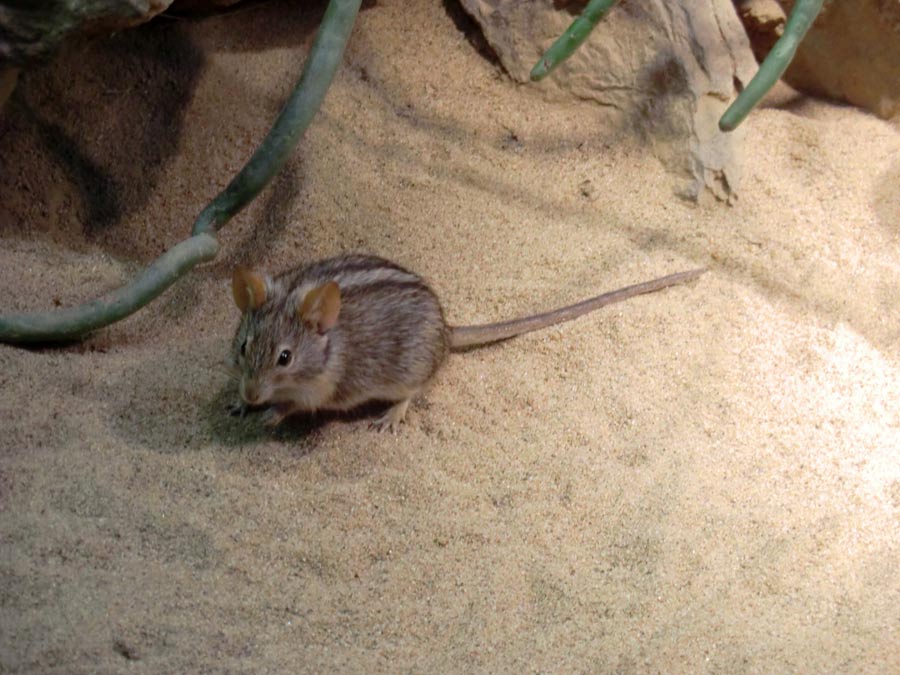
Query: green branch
column 66, row 324
column 321, row 66
column 569, row 41
column 324, row 58
column 774, row 65
column 801, row 18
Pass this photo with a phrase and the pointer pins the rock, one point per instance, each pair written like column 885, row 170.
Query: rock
column 851, row 53
column 764, row 22
column 31, row 31
column 671, row 68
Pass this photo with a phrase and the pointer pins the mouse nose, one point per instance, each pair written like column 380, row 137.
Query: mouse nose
column 249, row 390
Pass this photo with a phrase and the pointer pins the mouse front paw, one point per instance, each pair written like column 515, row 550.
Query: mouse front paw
column 275, row 415
column 236, row 408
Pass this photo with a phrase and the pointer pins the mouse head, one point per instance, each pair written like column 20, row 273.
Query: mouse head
column 282, row 346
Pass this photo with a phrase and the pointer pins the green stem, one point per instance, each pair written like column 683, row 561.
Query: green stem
column 66, row 324
column 774, row 65
column 569, row 41
column 324, row 58
column 321, row 65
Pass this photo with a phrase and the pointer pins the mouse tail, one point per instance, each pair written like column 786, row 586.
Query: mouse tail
column 462, row 337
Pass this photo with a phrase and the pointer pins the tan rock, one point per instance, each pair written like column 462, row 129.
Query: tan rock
column 670, row 68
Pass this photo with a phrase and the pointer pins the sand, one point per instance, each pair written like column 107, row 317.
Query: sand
column 703, row 480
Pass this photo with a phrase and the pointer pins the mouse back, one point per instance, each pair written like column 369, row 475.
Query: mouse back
column 391, row 327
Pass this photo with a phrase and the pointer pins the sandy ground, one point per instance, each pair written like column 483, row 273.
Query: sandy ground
column 702, row 480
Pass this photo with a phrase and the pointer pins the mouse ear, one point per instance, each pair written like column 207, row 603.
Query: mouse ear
column 320, row 308
column 248, row 288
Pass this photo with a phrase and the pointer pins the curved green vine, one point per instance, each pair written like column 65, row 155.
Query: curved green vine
column 571, row 40
column 73, row 322
column 774, row 65
column 801, row 18
column 321, row 65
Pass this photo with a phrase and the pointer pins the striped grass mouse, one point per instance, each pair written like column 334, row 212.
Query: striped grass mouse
column 337, row 333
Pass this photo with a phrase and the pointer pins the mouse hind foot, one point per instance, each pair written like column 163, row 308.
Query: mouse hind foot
column 391, row 419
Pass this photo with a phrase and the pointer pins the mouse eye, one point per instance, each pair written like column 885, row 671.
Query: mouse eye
column 284, row 357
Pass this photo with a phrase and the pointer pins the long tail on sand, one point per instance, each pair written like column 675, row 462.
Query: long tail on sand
column 468, row 336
